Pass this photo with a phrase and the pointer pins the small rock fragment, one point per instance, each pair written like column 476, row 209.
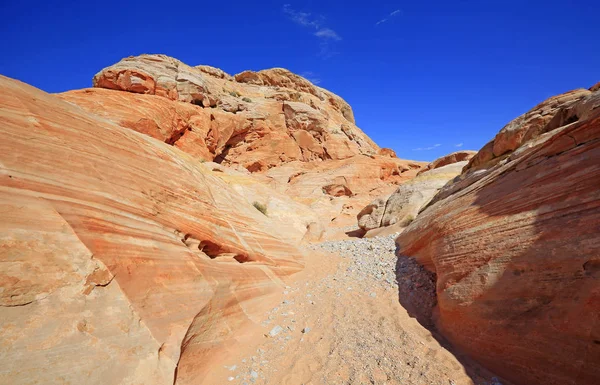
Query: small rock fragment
column 275, row 331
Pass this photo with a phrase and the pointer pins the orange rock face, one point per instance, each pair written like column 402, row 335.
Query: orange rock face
column 258, row 120
column 455, row 157
column 387, row 152
column 516, row 247
column 293, row 135
column 543, row 118
column 339, row 189
column 121, row 253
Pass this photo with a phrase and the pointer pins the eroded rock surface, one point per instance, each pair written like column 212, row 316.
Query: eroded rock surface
column 402, row 206
column 256, row 119
column 459, row 156
column 338, row 189
column 288, row 133
column 515, row 247
column 120, row 253
column 545, row 117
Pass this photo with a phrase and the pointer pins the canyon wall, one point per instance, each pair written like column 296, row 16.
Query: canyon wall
column 514, row 243
column 125, row 260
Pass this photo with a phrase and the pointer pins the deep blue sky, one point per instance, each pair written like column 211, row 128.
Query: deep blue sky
column 435, row 73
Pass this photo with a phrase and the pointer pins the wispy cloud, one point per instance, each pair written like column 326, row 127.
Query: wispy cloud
column 302, row 18
column 388, row 17
column 427, row 148
column 325, row 35
column 311, row 77
column 458, row 145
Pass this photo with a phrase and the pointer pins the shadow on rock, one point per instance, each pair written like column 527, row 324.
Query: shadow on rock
column 358, row 233
column 417, row 294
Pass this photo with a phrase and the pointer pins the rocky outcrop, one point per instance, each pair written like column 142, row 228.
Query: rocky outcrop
column 123, row 254
column 406, row 202
column 272, row 123
column 338, row 189
column 258, row 120
column 280, row 77
column 515, row 247
column 295, row 220
column 387, row 152
column 216, row 72
column 459, row 156
column 545, row 117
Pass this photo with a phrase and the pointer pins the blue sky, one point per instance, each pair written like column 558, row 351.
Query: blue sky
column 422, row 77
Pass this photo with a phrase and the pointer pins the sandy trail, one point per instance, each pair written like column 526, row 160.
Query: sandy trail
column 340, row 322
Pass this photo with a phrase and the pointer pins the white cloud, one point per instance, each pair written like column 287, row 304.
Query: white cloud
column 458, row 145
column 427, row 148
column 307, row 20
column 327, row 33
column 302, row 18
column 385, row 19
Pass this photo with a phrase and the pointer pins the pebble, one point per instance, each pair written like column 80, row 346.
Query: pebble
column 305, row 330
column 372, row 258
column 373, row 294
column 230, row 378
column 276, row 330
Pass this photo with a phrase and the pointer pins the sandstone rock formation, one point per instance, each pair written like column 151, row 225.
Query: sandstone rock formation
column 294, row 219
column 406, row 202
column 127, row 259
column 545, row 117
column 459, row 156
column 515, row 245
column 149, row 222
column 256, row 119
column 297, row 137
column 338, row 189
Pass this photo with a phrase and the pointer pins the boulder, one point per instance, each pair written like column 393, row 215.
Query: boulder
column 408, row 199
column 370, row 217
